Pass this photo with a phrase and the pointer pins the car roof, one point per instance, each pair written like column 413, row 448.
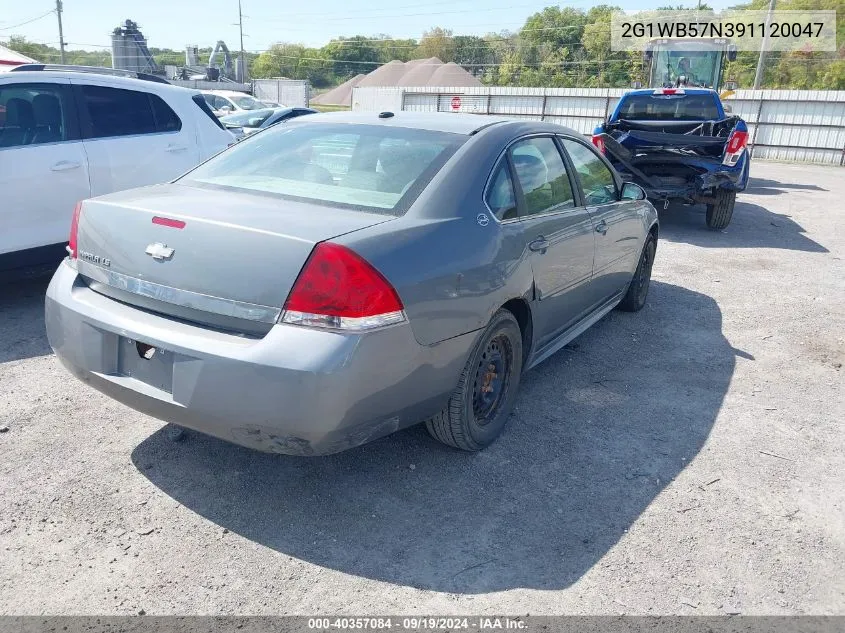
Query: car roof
column 687, row 91
column 226, row 93
column 454, row 123
column 26, row 76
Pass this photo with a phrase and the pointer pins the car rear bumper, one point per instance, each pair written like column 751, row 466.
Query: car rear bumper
column 295, row 391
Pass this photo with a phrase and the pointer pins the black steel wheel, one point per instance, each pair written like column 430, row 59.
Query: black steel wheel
column 482, row 402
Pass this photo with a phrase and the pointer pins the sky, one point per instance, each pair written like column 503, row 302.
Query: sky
column 176, row 23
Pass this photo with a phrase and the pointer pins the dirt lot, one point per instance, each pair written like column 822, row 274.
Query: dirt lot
column 687, row 459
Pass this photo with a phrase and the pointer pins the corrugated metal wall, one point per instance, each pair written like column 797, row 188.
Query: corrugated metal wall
column 288, row 92
column 199, row 84
column 795, row 125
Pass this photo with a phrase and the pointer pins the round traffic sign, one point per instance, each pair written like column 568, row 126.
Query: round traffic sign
column 456, row 103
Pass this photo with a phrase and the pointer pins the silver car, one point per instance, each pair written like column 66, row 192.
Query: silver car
column 346, row 275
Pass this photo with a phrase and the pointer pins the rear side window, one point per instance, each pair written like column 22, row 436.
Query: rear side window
column 374, row 168
column 668, row 108
column 166, row 118
column 33, row 114
column 597, row 181
column 118, row 112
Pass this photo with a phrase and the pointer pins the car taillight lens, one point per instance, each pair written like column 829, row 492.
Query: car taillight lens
column 736, row 144
column 338, row 289
column 598, row 141
column 72, row 250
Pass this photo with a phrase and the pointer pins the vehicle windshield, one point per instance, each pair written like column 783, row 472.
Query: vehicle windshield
column 253, row 118
column 701, row 68
column 247, row 103
column 367, row 167
column 669, row 108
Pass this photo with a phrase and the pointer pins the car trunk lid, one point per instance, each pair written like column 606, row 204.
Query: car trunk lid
column 234, row 255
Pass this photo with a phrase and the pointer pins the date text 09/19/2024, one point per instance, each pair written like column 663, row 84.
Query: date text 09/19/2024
column 417, row 623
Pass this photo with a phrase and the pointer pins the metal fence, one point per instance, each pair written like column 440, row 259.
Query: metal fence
column 793, row 125
column 289, row 92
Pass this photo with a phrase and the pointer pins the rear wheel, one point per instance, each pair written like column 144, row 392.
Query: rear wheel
column 482, row 402
column 634, row 299
column 720, row 212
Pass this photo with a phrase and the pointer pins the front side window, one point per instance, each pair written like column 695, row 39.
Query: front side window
column 366, row 167
column 32, row 114
column 597, row 181
column 500, row 196
column 542, row 176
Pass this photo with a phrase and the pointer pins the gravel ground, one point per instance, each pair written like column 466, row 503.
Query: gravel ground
column 684, row 460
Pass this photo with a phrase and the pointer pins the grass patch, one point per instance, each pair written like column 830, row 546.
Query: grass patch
column 330, row 108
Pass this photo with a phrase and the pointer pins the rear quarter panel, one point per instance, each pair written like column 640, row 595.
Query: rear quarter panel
column 451, row 271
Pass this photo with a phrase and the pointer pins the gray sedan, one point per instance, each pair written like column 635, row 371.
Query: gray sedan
column 346, row 275
column 245, row 123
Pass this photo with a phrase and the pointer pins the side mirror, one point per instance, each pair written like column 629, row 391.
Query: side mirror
column 730, row 85
column 636, row 85
column 728, row 109
column 732, row 53
column 632, row 191
column 226, row 108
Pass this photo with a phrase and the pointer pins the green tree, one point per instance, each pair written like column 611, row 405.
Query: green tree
column 437, row 42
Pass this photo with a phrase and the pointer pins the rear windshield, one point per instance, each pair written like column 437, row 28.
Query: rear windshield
column 253, row 118
column 247, row 103
column 668, row 108
column 367, row 167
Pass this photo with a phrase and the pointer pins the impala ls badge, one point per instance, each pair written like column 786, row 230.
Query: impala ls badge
column 159, row 251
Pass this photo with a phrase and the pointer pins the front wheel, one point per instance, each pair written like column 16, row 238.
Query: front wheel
column 479, row 407
column 719, row 213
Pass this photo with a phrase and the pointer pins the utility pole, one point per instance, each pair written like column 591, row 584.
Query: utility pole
column 61, row 35
column 758, row 76
column 242, row 72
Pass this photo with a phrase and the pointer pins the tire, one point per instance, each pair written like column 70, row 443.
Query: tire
column 719, row 214
column 481, row 404
column 635, row 298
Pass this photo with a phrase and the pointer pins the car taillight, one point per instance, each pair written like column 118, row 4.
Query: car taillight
column 598, row 141
column 338, row 289
column 72, row 250
column 735, row 146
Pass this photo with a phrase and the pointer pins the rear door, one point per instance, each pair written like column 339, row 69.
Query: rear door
column 43, row 169
column 132, row 137
column 618, row 228
column 557, row 232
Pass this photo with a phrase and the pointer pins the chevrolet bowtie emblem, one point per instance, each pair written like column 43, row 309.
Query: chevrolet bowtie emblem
column 159, row 251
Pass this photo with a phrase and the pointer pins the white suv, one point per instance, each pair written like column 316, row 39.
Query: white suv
column 71, row 134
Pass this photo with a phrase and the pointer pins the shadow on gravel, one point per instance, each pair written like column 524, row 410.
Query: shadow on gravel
column 22, row 333
column 768, row 187
column 752, row 226
column 600, row 429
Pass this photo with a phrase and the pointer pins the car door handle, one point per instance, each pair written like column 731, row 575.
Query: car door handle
column 64, row 165
column 176, row 148
column 602, row 227
column 540, row 245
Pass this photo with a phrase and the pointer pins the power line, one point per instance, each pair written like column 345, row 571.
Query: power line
column 403, row 15
column 30, row 21
column 358, row 15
